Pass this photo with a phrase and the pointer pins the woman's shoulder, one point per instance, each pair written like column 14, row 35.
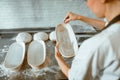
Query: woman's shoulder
column 95, row 42
column 104, row 37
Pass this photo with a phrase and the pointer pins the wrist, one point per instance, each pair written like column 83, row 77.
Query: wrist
column 59, row 59
column 79, row 17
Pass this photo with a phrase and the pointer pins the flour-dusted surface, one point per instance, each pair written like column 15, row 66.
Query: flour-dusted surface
column 48, row 71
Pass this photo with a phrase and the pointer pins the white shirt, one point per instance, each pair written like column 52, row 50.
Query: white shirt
column 98, row 58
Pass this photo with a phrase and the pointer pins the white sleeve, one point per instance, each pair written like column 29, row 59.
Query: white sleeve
column 81, row 65
column 95, row 63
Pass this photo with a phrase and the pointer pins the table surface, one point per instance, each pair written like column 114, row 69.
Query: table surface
column 49, row 70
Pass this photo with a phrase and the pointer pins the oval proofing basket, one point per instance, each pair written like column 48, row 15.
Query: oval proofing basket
column 36, row 53
column 67, row 41
column 15, row 55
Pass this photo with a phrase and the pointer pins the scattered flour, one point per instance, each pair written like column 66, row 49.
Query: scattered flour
column 27, row 73
column 4, row 71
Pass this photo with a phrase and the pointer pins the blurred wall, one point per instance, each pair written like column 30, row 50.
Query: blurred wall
column 39, row 13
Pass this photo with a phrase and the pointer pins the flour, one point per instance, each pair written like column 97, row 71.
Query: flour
column 27, row 73
column 43, row 71
column 4, row 71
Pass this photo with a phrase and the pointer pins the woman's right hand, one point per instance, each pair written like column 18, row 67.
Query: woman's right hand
column 71, row 16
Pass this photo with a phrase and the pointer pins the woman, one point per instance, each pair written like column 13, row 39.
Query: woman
column 98, row 58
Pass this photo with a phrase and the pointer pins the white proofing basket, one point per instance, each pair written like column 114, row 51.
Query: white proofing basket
column 65, row 36
column 36, row 53
column 15, row 55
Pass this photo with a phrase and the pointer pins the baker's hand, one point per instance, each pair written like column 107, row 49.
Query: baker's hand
column 57, row 53
column 71, row 16
column 61, row 62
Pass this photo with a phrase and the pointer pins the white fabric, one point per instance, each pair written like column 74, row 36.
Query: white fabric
column 98, row 57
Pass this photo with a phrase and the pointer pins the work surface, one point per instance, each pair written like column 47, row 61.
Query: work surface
column 48, row 71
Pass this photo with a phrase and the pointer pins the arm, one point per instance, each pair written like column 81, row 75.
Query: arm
column 93, row 22
column 63, row 65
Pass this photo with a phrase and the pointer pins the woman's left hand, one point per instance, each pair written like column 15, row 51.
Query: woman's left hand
column 63, row 65
column 57, row 53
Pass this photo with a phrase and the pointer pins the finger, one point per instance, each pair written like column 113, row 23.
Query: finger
column 67, row 17
column 57, row 45
column 57, row 52
column 56, row 48
column 67, row 20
